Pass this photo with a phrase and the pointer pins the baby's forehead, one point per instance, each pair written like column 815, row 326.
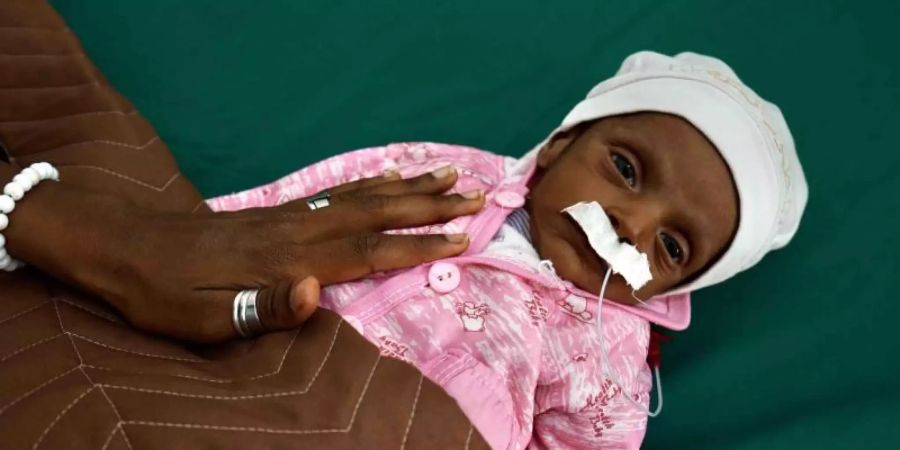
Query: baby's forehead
column 679, row 161
column 648, row 124
column 665, row 134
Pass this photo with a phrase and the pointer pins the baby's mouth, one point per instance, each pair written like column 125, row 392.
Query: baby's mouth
column 604, row 266
column 576, row 239
column 625, row 258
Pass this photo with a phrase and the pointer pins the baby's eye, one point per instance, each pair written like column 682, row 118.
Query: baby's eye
column 673, row 248
column 625, row 168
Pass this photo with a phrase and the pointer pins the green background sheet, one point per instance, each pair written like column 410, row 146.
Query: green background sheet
column 799, row 352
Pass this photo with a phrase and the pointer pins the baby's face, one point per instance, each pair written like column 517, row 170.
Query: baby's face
column 664, row 186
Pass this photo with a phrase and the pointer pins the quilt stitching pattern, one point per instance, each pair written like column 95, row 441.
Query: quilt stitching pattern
column 101, row 368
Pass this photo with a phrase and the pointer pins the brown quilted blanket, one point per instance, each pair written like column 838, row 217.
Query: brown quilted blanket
column 74, row 374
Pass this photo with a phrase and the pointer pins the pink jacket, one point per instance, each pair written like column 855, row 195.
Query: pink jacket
column 516, row 346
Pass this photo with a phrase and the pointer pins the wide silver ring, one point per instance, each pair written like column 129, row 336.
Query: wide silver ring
column 318, row 201
column 245, row 315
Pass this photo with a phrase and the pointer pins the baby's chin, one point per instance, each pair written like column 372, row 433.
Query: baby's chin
column 586, row 276
column 617, row 290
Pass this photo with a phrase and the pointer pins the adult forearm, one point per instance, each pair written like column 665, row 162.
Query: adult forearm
column 68, row 232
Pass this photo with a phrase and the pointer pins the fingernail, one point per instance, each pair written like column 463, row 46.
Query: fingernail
column 472, row 195
column 457, row 238
column 301, row 293
column 443, row 172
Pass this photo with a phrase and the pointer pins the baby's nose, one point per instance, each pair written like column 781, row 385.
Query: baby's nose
column 615, row 223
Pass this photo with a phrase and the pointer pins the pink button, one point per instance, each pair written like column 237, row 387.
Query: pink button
column 443, row 277
column 509, row 199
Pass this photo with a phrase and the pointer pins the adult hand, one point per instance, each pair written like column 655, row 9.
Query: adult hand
column 177, row 274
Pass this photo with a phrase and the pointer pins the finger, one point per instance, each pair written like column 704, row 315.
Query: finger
column 354, row 257
column 287, row 304
column 435, row 182
column 364, row 183
column 335, row 192
column 381, row 212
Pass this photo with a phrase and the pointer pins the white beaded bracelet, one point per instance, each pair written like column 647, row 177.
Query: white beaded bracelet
column 28, row 178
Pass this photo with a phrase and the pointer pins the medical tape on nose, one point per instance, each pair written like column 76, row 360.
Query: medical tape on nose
column 624, row 259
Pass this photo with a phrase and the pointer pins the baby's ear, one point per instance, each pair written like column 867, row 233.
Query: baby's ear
column 555, row 147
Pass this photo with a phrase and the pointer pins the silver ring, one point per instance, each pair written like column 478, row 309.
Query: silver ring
column 244, row 314
column 318, row 201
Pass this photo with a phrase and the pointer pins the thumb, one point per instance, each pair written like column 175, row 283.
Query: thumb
column 288, row 304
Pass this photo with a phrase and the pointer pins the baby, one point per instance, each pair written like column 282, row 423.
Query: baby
column 690, row 168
